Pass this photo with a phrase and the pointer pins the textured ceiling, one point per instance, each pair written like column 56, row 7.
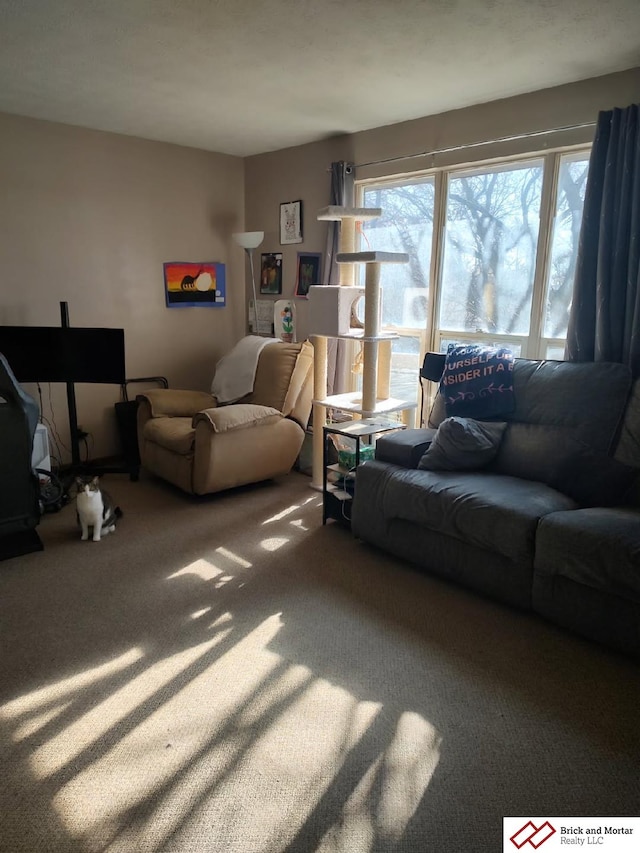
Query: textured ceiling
column 243, row 77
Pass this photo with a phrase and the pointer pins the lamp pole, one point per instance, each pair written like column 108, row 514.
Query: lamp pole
column 250, row 240
column 253, row 285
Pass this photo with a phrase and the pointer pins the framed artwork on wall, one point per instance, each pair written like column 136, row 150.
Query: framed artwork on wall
column 271, row 273
column 308, row 272
column 194, row 285
column 290, row 222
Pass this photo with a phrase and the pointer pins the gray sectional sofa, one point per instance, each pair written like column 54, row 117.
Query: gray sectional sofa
column 551, row 524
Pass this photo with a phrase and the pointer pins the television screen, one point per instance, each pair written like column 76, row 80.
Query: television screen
column 64, row 354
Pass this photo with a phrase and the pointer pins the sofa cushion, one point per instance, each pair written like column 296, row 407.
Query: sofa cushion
column 175, row 434
column 532, row 452
column 273, row 375
column 462, row 444
column 594, row 479
column 628, row 446
column 597, row 547
column 491, row 511
column 557, row 404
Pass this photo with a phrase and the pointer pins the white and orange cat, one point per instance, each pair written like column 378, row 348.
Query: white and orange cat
column 95, row 508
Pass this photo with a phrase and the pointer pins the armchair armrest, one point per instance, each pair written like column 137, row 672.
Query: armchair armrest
column 237, row 416
column 173, row 403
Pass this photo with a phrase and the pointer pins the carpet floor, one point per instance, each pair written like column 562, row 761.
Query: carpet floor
column 228, row 674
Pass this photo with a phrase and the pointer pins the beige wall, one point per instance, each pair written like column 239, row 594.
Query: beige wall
column 561, row 106
column 302, row 172
column 294, row 173
column 89, row 218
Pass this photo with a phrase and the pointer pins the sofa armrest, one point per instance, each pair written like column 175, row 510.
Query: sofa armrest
column 237, row 416
column 173, row 403
column 404, row 447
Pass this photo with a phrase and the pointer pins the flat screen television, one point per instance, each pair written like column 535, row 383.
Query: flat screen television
column 64, row 354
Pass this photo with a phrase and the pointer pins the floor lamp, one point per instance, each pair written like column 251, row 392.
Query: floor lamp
column 250, row 240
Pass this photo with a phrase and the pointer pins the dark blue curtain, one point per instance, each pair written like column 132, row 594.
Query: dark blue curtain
column 341, row 193
column 604, row 321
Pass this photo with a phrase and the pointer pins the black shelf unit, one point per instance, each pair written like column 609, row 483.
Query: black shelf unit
column 338, row 480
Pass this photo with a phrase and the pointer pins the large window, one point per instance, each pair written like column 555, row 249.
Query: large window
column 492, row 253
column 492, row 220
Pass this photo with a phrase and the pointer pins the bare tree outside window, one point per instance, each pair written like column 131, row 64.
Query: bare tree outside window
column 572, row 181
column 406, row 225
column 491, row 234
column 489, row 237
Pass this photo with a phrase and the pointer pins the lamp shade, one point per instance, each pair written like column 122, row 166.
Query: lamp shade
column 249, row 239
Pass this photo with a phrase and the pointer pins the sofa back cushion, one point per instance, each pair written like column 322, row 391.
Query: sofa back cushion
column 628, row 446
column 560, row 408
column 284, row 380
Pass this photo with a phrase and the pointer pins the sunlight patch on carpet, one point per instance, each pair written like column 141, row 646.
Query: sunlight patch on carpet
column 274, row 543
column 201, row 568
column 407, row 766
column 233, row 557
column 198, row 614
column 289, row 510
column 103, row 721
column 33, row 724
column 58, row 691
column 228, row 739
column 299, row 524
column 223, row 619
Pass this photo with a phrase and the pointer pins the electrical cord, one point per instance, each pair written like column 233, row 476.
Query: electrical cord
column 51, row 491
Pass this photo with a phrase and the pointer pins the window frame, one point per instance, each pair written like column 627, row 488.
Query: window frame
column 534, row 345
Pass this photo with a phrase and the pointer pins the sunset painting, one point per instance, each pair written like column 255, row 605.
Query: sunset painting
column 193, row 285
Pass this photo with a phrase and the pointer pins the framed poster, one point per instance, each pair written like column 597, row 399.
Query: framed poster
column 271, row 273
column 308, row 272
column 290, row 222
column 194, row 285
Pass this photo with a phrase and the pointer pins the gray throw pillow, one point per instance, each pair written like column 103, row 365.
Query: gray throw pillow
column 463, row 444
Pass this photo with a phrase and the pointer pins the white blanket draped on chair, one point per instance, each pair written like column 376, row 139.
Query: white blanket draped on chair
column 236, row 371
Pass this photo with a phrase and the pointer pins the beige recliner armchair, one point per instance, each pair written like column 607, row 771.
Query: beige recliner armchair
column 202, row 446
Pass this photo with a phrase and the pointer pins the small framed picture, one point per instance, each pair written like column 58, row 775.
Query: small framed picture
column 308, row 272
column 271, row 273
column 290, row 222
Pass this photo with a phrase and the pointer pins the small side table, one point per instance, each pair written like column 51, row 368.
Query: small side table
column 338, row 478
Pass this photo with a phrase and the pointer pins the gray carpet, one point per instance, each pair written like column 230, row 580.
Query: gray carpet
column 226, row 674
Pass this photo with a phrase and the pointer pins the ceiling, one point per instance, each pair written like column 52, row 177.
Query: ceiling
column 244, row 77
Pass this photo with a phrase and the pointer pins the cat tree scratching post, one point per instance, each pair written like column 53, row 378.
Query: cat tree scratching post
column 320, row 380
column 372, row 401
column 377, row 347
column 347, row 216
column 320, row 344
column 347, row 272
column 372, row 326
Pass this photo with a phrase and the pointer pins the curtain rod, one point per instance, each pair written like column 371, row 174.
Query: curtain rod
column 477, row 144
